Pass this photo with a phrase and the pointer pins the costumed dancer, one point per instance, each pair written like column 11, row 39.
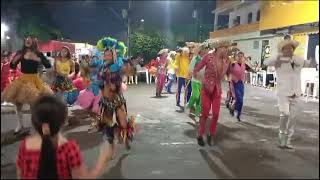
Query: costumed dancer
column 182, row 71
column 161, row 71
column 83, row 79
column 237, row 72
column 62, row 85
column 288, row 68
column 230, row 100
column 112, row 101
column 216, row 64
column 29, row 86
column 195, row 100
column 170, row 71
column 90, row 96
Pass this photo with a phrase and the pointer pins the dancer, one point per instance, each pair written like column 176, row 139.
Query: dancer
column 237, row 71
column 161, row 71
column 112, row 101
column 182, row 71
column 216, row 65
column 28, row 87
column 288, row 68
column 195, row 100
column 170, row 71
column 62, row 85
column 89, row 97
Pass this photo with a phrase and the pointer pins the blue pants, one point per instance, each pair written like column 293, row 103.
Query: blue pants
column 239, row 92
column 171, row 78
column 183, row 82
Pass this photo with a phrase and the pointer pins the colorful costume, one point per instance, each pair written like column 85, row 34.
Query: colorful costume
column 112, row 101
column 196, row 87
column 182, row 71
column 63, row 84
column 211, row 89
column 170, row 71
column 28, row 87
column 161, row 71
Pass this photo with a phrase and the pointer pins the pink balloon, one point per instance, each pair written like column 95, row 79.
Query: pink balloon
column 96, row 107
column 124, row 87
column 85, row 99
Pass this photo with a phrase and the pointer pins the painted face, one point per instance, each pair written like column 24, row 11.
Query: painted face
column 64, row 52
column 107, row 55
column 28, row 42
column 287, row 50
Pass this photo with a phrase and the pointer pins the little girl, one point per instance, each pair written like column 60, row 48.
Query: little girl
column 48, row 154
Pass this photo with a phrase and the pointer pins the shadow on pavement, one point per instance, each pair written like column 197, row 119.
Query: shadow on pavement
column 115, row 171
column 161, row 97
column 9, row 137
column 85, row 140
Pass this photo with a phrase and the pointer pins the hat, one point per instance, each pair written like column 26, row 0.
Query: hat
column 284, row 43
column 185, row 50
column 221, row 43
column 163, row 51
column 172, row 53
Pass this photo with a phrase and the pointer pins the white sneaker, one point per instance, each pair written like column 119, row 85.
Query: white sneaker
column 18, row 128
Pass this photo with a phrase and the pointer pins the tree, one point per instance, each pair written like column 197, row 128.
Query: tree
column 147, row 43
column 32, row 25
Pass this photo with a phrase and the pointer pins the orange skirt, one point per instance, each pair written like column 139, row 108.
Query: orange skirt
column 25, row 90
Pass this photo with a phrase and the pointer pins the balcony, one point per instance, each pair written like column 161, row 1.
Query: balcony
column 244, row 28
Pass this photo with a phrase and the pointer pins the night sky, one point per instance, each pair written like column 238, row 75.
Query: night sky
column 87, row 21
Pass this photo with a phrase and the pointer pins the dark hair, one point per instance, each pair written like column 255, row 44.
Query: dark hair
column 76, row 67
column 240, row 52
column 69, row 53
column 34, row 46
column 51, row 110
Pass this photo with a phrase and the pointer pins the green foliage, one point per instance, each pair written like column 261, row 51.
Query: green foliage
column 33, row 25
column 147, row 43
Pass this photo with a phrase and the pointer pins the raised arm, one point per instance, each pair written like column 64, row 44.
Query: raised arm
column 201, row 64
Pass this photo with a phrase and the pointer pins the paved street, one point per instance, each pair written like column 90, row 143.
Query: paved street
column 165, row 144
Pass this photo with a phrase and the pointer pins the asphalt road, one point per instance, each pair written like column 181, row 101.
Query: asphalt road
column 165, row 145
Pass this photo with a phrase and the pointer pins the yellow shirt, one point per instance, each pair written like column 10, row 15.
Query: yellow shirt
column 63, row 67
column 182, row 66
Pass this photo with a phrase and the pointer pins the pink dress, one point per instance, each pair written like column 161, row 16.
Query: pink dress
column 161, row 73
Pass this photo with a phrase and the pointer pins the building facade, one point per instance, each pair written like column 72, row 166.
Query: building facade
column 258, row 26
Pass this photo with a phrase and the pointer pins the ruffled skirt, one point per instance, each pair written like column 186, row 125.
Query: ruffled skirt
column 25, row 90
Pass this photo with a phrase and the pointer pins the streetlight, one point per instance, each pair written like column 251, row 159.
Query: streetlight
column 4, row 28
column 142, row 20
column 8, row 37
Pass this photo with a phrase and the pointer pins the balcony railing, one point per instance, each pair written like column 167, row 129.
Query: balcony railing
column 244, row 28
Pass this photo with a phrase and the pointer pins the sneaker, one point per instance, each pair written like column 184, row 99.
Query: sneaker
column 288, row 144
column 239, row 120
column 281, row 140
column 231, row 112
column 18, row 129
column 200, row 141
column 209, row 140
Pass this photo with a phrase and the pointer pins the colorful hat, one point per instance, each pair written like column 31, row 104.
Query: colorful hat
column 108, row 43
column 163, row 51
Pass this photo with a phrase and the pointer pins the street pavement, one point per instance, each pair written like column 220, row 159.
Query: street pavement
column 165, row 145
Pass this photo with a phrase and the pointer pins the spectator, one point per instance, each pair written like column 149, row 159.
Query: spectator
column 48, row 154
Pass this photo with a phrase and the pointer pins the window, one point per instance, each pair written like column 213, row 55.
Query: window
column 249, row 18
column 236, row 21
column 258, row 16
column 255, row 44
